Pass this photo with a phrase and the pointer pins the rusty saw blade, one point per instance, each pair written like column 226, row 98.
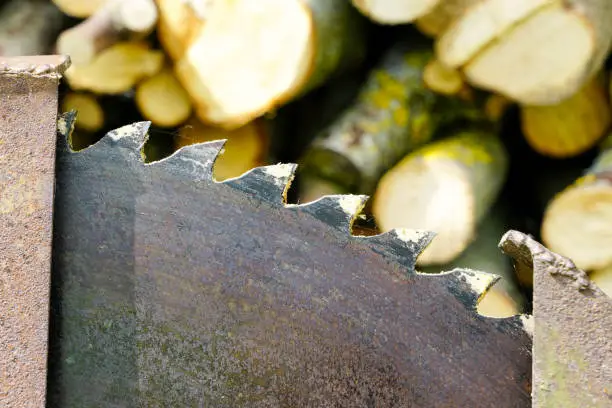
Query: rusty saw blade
column 572, row 329
column 28, row 118
column 171, row 289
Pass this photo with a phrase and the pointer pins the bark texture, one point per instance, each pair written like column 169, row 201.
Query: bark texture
column 393, row 114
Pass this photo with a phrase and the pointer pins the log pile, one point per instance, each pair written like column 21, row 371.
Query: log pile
column 466, row 117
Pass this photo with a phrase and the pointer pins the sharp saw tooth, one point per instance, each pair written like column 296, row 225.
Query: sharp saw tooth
column 469, row 286
column 132, row 137
column 268, row 183
column 194, row 161
column 401, row 244
column 338, row 211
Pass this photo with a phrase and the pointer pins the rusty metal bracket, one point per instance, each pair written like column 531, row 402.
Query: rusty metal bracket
column 28, row 123
column 572, row 344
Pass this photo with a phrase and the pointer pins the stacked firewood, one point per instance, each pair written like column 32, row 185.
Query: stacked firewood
column 465, row 117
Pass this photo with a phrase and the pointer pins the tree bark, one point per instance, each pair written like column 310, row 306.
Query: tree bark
column 393, row 114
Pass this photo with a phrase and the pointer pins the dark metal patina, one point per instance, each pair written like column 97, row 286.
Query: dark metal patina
column 173, row 290
column 28, row 118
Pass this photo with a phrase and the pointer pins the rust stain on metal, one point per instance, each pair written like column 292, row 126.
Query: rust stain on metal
column 572, row 342
column 28, row 118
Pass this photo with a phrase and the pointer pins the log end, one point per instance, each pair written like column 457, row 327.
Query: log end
column 90, row 115
column 578, row 223
column 163, row 100
column 79, row 8
column 441, row 79
column 138, row 16
column 542, row 61
column 428, row 194
column 248, row 59
column 571, row 127
column 81, row 51
column 497, row 303
column 394, row 12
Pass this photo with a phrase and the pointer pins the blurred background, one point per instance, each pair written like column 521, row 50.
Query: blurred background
column 464, row 117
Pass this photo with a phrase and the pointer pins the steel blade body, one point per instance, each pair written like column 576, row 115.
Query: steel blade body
column 174, row 290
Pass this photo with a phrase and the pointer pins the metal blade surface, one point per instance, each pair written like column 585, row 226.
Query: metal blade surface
column 572, row 329
column 170, row 289
column 28, row 118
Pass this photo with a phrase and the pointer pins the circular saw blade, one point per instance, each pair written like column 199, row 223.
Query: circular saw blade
column 171, row 289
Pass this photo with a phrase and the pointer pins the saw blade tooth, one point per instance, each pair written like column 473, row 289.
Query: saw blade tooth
column 195, row 161
column 401, row 244
column 338, row 211
column 469, row 285
column 268, row 183
column 132, row 137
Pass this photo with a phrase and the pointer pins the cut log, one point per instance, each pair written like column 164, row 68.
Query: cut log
column 255, row 55
column 79, row 8
column 90, row 115
column 438, row 19
column 505, row 298
column 478, row 25
column 313, row 188
column 163, row 100
column 116, row 21
column 394, row 113
column 447, row 187
column 535, row 52
column 571, row 127
column 117, row 69
column 28, row 27
column 245, row 148
column 603, row 279
column 578, row 221
column 179, row 23
column 394, row 11
column 441, row 79
column 496, row 107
